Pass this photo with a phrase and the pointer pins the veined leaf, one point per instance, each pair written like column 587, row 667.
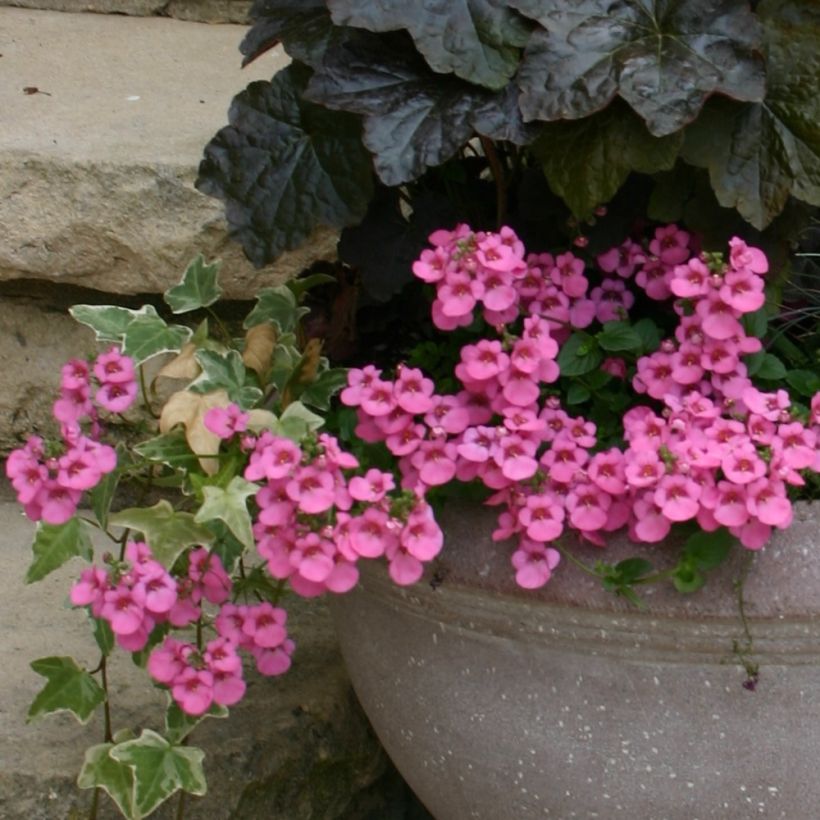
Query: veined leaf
column 69, row 689
column 54, row 544
column 102, row 771
column 198, row 287
column 230, row 505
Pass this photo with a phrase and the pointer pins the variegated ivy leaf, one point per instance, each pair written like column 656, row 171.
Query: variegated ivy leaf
column 149, row 335
column 197, row 288
column 225, row 371
column 277, row 305
column 167, row 532
column 69, row 689
column 229, row 504
column 54, row 544
column 109, row 322
column 101, row 771
column 179, row 724
column 160, row 769
column 297, row 421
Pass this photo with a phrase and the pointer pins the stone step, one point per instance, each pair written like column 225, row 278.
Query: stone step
column 198, row 11
column 97, row 168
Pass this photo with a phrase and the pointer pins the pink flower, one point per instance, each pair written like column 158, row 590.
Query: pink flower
column 742, row 257
column 264, row 624
column 670, row 245
column 587, row 506
column 542, row 517
column 116, row 397
column 225, row 422
column 312, row 489
column 371, row 533
column 534, row 564
column 412, row 391
column 373, row 486
column 435, row 461
column 677, row 497
column 193, row 690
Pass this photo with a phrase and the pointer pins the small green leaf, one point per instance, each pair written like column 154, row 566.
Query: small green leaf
column 227, row 547
column 579, row 355
column 149, row 335
column 225, row 371
column 630, row 569
column 103, row 634
column 230, row 506
column 54, row 544
column 100, row 770
column 178, row 724
column 707, row 550
column 756, row 324
column 69, row 689
column 160, row 769
column 619, row 336
column 102, row 495
column 303, row 284
column 771, row 368
column 686, row 578
column 649, row 333
column 578, row 393
column 277, row 305
column 108, row 322
column 328, row 383
column 171, row 449
column 167, row 532
column 197, row 288
column 297, row 421
column 805, row 382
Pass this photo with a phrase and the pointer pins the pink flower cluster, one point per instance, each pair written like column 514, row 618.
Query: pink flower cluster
column 50, row 480
column 315, row 522
column 197, row 679
column 715, row 450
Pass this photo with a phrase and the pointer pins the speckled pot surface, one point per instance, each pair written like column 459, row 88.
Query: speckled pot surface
column 503, row 705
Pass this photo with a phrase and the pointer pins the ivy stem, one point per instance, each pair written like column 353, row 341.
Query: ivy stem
column 95, row 802
column 222, row 329
column 181, row 806
column 498, row 177
column 109, row 737
column 144, row 391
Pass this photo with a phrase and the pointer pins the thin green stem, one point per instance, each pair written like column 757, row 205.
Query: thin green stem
column 144, row 391
column 109, row 737
column 572, row 559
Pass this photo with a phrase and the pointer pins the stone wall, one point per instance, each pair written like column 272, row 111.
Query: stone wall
column 200, row 11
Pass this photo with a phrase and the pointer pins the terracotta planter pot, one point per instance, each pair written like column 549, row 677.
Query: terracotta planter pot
column 502, row 705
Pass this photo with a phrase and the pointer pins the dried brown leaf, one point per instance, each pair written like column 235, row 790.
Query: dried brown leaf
column 183, row 366
column 260, row 341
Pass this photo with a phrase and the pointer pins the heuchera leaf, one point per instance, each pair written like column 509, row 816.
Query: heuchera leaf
column 285, row 166
column 478, row 40
column 160, row 769
column 54, row 544
column 413, row 118
column 760, row 154
column 664, row 57
column 230, row 506
column 303, row 27
column 197, row 288
column 69, row 689
column 167, row 532
column 100, row 770
column 586, row 161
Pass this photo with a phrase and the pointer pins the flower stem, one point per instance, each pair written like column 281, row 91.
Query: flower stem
column 144, row 391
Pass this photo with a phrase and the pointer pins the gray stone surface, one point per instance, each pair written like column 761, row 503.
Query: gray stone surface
column 297, row 748
column 200, row 11
column 97, row 171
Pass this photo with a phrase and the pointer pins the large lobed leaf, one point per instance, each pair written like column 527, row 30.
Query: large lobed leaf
column 478, row 40
column 69, row 688
column 285, row 166
column 760, row 154
column 664, row 57
column 54, row 544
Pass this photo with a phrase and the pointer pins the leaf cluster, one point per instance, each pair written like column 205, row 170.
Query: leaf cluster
column 389, row 107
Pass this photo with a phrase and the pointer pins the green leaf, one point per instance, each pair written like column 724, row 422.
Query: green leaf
column 649, row 333
column 578, row 393
column 805, row 382
column 686, row 578
column 708, row 550
column 69, row 689
column 160, row 769
column 171, row 449
column 579, row 355
column 54, row 544
column 108, row 322
column 230, row 506
column 771, row 368
column 285, row 167
column 102, row 495
column 299, row 287
column 297, row 421
column 663, row 58
column 198, row 287
column 758, row 155
column 149, row 335
column 226, row 546
column 178, row 724
column 100, row 770
column 631, row 569
column 756, row 324
column 478, row 40
column 327, row 384
column 619, row 336
column 103, row 634
column 225, row 371
column 586, row 161
column 167, row 532
column 277, row 305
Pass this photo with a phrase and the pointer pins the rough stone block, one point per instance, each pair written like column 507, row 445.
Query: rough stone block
column 201, row 11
